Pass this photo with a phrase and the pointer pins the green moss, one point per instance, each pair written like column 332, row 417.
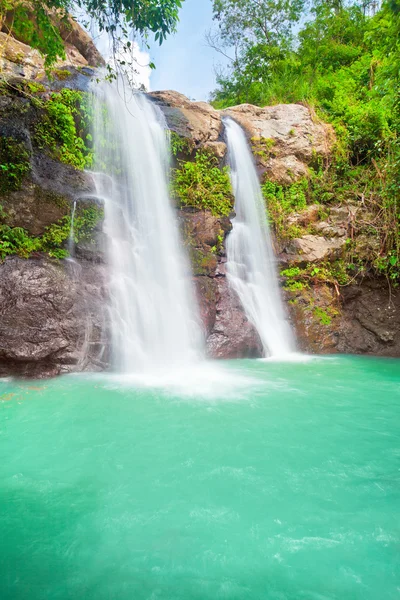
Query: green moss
column 60, row 74
column 292, row 272
column 14, row 164
column 203, row 262
column 61, row 130
column 322, row 316
column 17, row 241
column 294, row 286
column 262, row 147
column 202, row 184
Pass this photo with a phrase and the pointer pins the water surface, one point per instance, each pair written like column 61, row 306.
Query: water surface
column 275, row 481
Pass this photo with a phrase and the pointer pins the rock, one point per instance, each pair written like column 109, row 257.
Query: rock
column 70, row 77
column 316, row 318
column 196, row 121
column 227, row 330
column 18, row 59
column 79, row 41
column 52, row 317
column 363, row 319
column 207, row 296
column 61, row 179
column 219, row 149
column 339, row 222
column 371, row 319
column 202, row 226
column 305, row 217
column 232, row 336
column 286, row 138
column 312, row 248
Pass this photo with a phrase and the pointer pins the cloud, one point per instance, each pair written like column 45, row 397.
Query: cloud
column 136, row 61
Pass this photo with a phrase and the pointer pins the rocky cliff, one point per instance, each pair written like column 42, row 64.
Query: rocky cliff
column 53, row 310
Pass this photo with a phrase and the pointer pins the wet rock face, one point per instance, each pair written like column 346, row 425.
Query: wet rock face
column 363, row 319
column 228, row 332
column 232, row 335
column 371, row 319
column 52, row 317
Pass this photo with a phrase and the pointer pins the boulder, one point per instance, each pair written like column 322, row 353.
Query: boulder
column 52, row 317
column 196, row 121
column 18, row 59
column 232, row 336
column 312, row 248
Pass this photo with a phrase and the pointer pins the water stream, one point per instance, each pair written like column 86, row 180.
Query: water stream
column 154, row 319
column 251, row 265
column 71, row 239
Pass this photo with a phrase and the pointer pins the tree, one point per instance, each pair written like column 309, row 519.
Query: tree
column 36, row 22
column 253, row 35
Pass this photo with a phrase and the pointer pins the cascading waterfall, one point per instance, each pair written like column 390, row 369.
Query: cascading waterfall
column 71, row 239
column 251, row 265
column 154, row 318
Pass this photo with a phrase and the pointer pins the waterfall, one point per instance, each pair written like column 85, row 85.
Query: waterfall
column 154, row 319
column 71, row 239
column 251, row 265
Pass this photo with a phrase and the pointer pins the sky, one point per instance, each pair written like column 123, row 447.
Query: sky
column 184, row 62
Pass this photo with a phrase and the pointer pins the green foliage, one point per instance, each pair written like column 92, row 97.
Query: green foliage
column 17, row 241
column 180, row 145
column 335, row 273
column 345, row 63
column 60, row 74
column 220, row 243
column 283, row 200
column 262, row 147
column 202, row 184
column 14, row 164
column 38, row 23
column 322, row 316
column 61, row 131
column 33, row 24
column 291, row 272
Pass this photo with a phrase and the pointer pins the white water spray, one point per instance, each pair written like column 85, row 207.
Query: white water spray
column 71, row 239
column 251, row 264
column 154, row 317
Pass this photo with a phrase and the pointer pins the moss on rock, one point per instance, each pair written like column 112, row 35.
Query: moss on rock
column 14, row 163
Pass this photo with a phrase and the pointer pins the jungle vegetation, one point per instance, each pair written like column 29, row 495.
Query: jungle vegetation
column 342, row 59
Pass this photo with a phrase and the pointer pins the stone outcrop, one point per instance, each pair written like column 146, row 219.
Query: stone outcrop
column 195, row 121
column 52, row 317
column 19, row 59
column 363, row 319
column 312, row 248
column 286, row 138
column 228, row 332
